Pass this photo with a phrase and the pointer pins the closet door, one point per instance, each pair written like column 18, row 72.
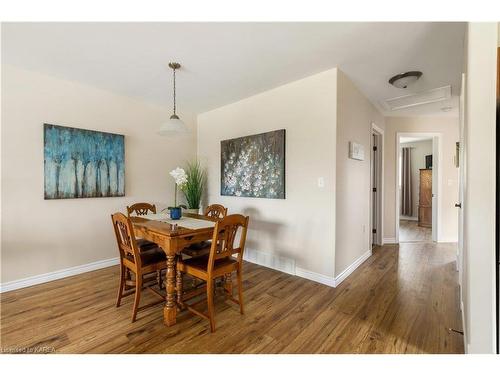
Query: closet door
column 425, row 198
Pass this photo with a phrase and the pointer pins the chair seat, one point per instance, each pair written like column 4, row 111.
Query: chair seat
column 200, row 245
column 198, row 249
column 200, row 264
column 145, row 244
column 150, row 256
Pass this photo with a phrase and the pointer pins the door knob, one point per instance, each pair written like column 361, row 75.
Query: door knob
column 459, row 205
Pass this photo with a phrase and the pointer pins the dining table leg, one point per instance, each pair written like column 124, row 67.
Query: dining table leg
column 170, row 309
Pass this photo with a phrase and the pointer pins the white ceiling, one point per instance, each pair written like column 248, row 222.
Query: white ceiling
column 226, row 62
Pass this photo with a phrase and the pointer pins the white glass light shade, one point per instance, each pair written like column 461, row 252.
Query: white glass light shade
column 173, row 126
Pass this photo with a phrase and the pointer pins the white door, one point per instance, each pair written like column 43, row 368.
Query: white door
column 461, row 185
column 435, row 186
column 374, row 174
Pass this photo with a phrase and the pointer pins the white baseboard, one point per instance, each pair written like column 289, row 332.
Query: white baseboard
column 411, row 218
column 448, row 240
column 287, row 265
column 319, row 278
column 55, row 275
column 343, row 275
column 389, row 240
column 269, row 260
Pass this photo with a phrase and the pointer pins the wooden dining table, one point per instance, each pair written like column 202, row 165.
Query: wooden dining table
column 172, row 238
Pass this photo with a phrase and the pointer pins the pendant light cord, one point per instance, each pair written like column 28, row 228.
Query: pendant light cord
column 174, row 93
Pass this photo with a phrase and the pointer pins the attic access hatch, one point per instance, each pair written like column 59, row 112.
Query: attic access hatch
column 412, row 100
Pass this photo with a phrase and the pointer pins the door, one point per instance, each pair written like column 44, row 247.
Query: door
column 374, row 189
column 436, row 161
column 497, row 231
column 425, row 198
column 461, row 183
column 461, row 204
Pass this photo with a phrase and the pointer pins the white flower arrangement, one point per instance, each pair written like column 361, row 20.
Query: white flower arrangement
column 180, row 177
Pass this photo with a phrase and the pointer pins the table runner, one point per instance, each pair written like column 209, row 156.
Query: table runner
column 186, row 222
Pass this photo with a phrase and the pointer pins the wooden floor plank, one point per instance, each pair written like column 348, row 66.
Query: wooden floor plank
column 403, row 299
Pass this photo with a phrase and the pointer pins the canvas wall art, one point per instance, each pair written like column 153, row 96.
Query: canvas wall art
column 83, row 163
column 254, row 166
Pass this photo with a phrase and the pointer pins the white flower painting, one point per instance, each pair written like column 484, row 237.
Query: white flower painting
column 254, row 166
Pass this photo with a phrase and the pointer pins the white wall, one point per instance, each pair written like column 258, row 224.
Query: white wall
column 355, row 115
column 448, row 127
column 419, row 150
column 40, row 236
column 301, row 227
column 479, row 200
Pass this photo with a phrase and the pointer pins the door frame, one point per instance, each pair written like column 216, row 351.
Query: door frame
column 379, row 218
column 437, row 145
column 462, row 189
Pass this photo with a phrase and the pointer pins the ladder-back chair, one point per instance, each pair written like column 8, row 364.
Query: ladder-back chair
column 219, row 262
column 132, row 259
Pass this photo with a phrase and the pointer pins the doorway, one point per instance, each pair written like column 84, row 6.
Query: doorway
column 376, row 185
column 417, row 187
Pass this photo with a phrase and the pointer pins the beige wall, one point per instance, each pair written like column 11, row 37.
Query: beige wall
column 448, row 127
column 355, row 115
column 40, row 236
column 479, row 200
column 419, row 150
column 299, row 228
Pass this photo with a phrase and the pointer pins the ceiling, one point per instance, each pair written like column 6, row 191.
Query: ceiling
column 226, row 62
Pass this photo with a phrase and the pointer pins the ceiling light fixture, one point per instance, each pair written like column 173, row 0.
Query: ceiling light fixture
column 174, row 125
column 401, row 81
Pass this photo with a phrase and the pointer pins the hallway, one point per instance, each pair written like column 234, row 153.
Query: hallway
column 410, row 231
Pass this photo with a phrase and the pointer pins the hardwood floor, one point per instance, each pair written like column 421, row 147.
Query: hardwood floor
column 409, row 231
column 401, row 300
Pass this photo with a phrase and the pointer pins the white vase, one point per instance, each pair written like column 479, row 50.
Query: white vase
column 191, row 210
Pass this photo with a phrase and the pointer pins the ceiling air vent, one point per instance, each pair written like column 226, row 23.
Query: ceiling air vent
column 412, row 100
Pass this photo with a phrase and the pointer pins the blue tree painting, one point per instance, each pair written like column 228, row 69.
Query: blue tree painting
column 83, row 163
column 254, row 166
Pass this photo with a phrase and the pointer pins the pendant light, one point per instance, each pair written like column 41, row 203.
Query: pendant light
column 174, row 125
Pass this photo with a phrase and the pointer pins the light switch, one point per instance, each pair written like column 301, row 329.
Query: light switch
column 321, row 182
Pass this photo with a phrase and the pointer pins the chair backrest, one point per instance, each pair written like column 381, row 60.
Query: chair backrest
column 217, row 211
column 225, row 231
column 141, row 209
column 125, row 237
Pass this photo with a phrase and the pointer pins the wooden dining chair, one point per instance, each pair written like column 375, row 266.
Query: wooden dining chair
column 219, row 262
column 132, row 259
column 217, row 211
column 141, row 209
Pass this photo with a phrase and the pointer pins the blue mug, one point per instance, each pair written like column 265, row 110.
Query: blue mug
column 175, row 213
